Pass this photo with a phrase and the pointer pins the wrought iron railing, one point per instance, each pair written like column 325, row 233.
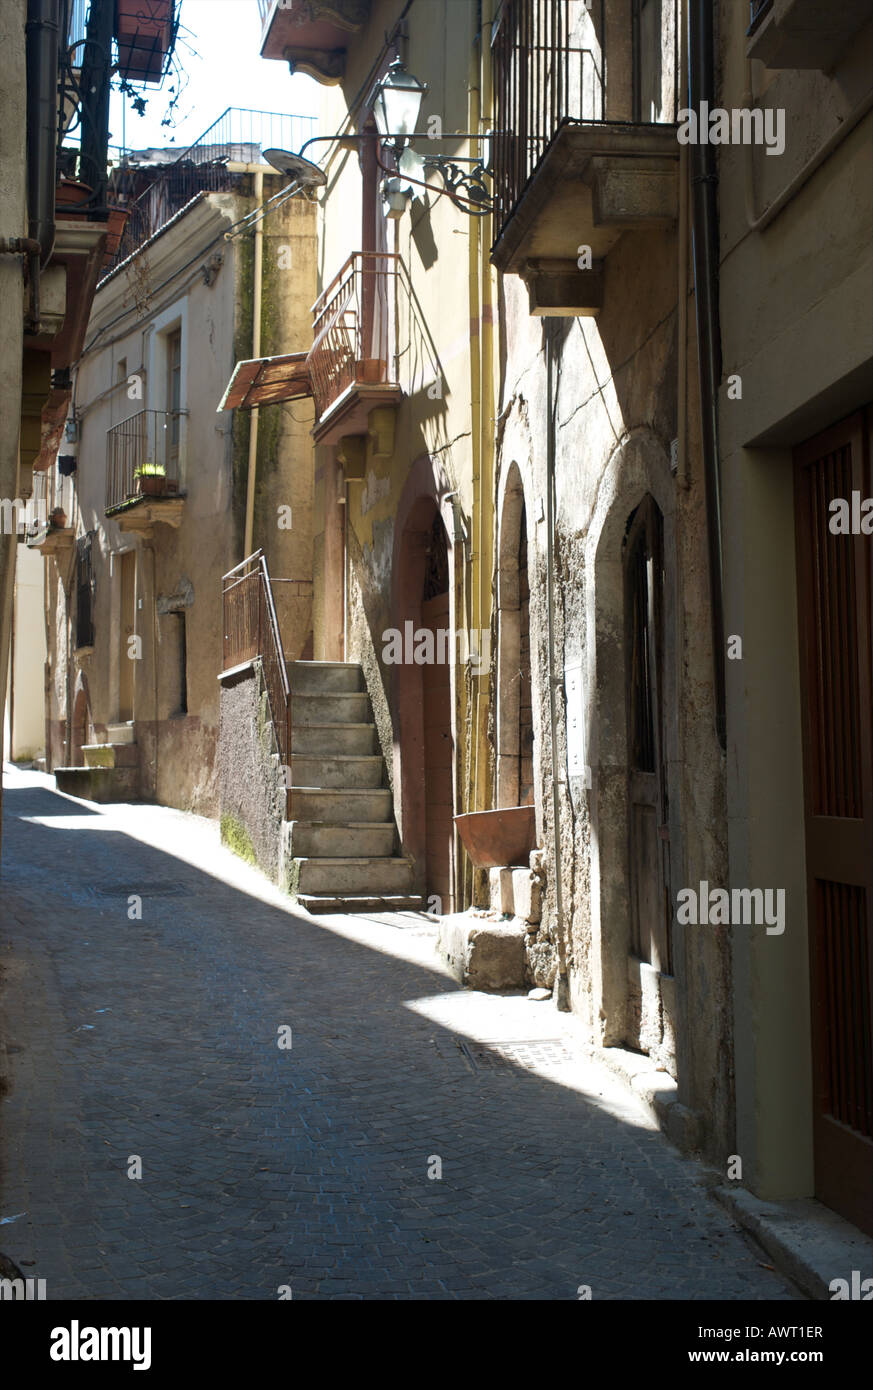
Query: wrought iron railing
column 251, row 630
column 142, row 458
column 549, row 59
column 238, row 136
column 354, row 328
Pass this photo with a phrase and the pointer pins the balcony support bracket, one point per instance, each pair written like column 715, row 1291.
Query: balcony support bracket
column 558, row 289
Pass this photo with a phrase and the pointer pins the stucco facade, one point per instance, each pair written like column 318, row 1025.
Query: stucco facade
column 152, row 659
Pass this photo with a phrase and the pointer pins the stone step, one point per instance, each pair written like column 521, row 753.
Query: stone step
column 322, row 739
column 327, row 806
column 359, row 902
column 325, row 677
column 345, row 771
column 110, row 754
column 344, row 877
column 370, row 840
column 120, row 733
column 97, row 783
column 330, row 709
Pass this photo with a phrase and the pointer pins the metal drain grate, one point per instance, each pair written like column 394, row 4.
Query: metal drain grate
column 149, row 889
column 542, row 1054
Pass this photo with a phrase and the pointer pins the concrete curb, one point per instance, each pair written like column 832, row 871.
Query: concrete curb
column 809, row 1243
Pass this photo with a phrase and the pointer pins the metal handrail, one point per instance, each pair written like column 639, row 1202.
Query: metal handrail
column 250, row 631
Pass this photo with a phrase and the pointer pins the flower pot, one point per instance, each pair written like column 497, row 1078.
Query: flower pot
column 71, row 195
column 151, row 484
column 117, row 222
column 497, row 838
column 59, row 518
column 143, row 35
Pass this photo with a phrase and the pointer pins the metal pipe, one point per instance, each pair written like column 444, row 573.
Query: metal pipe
column 41, row 57
column 701, row 88
column 562, row 989
column 257, row 267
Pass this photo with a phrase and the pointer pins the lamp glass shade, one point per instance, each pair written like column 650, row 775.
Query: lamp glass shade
column 397, row 101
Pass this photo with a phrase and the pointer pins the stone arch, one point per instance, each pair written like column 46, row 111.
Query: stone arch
column 423, row 500
column 80, row 723
column 514, row 714
column 639, row 467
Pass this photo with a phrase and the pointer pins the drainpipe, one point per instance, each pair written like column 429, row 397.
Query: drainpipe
column 256, row 352
column 701, row 87
column 562, row 991
column 41, row 57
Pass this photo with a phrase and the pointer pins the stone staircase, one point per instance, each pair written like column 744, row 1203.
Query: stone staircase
column 110, row 770
column 341, row 837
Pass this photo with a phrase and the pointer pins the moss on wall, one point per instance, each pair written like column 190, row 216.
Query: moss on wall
column 237, row 838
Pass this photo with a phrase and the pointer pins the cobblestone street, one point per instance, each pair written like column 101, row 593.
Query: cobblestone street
column 306, row 1167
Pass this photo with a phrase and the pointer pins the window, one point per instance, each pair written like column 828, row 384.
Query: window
column 173, row 396
column 84, row 592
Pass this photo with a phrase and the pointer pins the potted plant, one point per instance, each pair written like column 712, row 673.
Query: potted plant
column 152, row 481
column 59, row 518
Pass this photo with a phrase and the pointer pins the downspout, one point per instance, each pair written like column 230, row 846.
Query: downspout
column 41, row 57
column 701, row 88
column 562, row 990
column 474, row 792
column 257, row 267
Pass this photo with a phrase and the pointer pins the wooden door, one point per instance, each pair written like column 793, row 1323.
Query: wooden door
column 834, row 577
column 438, row 741
column 127, row 628
column 651, row 913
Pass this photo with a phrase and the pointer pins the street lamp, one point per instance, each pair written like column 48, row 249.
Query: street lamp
column 396, row 103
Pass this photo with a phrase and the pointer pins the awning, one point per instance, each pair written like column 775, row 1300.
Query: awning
column 266, row 380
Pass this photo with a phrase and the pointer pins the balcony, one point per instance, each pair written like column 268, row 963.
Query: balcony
column 353, row 364
column 577, row 161
column 803, row 33
column 52, row 514
column 311, row 36
column 146, row 34
column 142, row 470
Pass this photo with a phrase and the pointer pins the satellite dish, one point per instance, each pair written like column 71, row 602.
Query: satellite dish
column 302, row 171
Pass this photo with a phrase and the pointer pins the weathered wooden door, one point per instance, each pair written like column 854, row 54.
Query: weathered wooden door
column 438, row 742
column 835, row 576
column 651, row 913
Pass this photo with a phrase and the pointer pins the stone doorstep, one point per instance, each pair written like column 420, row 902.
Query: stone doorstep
column 807, row 1242
column 658, row 1093
column 482, row 953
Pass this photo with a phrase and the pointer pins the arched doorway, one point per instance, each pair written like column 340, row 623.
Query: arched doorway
column 79, row 728
column 437, row 714
column 515, row 734
column 423, row 690
column 650, row 1019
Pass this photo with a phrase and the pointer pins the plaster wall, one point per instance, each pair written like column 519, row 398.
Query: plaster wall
column 26, row 735
column 430, row 438
column 797, row 326
column 190, row 277
column 615, row 413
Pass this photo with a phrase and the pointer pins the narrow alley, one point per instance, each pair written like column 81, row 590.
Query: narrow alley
column 415, row 1140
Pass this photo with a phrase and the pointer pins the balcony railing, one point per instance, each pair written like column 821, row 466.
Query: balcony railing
column 251, row 629
column 238, row 136
column 354, row 328
column 549, row 64
column 142, row 458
